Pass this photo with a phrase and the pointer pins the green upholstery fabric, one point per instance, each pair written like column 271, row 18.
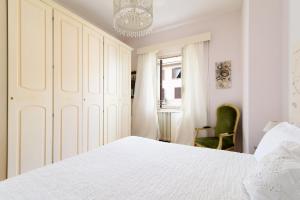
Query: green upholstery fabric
column 213, row 142
column 226, row 118
column 227, row 142
column 209, row 142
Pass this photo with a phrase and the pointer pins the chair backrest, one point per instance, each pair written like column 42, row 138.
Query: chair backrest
column 228, row 117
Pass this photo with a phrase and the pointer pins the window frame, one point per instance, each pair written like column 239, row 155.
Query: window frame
column 173, row 104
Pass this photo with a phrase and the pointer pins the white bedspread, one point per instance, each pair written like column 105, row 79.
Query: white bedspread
column 136, row 169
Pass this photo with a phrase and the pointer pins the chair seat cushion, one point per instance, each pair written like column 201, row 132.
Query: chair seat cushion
column 213, row 142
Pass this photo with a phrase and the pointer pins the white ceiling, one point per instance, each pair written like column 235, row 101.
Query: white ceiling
column 167, row 13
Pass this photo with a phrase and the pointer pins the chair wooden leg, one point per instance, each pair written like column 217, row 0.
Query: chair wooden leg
column 230, row 149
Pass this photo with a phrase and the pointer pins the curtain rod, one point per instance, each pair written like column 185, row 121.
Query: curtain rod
column 168, row 56
column 175, row 43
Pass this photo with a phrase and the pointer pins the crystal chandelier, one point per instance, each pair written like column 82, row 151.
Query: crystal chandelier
column 133, row 18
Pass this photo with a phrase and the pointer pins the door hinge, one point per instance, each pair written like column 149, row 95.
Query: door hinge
column 53, row 115
column 52, row 18
column 52, row 66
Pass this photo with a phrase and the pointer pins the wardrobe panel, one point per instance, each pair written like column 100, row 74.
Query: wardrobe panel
column 70, row 130
column 112, row 68
column 94, row 127
column 70, row 50
column 95, row 65
column 111, row 85
column 30, row 85
column 125, row 119
column 125, row 73
column 92, row 89
column 32, row 71
column 33, row 137
column 111, row 123
column 125, row 92
column 67, row 86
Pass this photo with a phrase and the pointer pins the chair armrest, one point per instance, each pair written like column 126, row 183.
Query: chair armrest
column 221, row 137
column 203, row 128
column 198, row 130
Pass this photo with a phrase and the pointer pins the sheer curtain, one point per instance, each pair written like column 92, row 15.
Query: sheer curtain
column 144, row 110
column 194, row 98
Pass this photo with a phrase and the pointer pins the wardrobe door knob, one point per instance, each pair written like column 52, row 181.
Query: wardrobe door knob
column 11, row 98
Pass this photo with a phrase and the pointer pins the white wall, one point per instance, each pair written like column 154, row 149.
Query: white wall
column 264, row 66
column 294, row 35
column 3, row 88
column 294, row 16
column 224, row 45
column 245, row 60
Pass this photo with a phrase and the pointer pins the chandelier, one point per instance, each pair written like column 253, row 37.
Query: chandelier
column 133, row 18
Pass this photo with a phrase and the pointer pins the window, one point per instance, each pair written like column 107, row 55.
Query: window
column 176, row 73
column 178, row 93
column 169, row 82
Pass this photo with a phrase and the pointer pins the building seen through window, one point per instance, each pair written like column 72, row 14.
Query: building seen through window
column 170, row 82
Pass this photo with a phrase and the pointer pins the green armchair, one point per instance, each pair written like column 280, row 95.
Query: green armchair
column 228, row 117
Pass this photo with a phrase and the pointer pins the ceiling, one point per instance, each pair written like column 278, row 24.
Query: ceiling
column 167, row 13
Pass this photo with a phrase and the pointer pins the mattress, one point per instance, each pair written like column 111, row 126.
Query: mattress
column 136, row 169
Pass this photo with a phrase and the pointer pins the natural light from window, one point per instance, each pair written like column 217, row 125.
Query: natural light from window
column 170, row 84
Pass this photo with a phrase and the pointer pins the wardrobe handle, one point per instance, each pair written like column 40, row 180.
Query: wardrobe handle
column 11, row 98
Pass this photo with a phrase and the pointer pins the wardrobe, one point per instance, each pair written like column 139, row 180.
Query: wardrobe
column 68, row 85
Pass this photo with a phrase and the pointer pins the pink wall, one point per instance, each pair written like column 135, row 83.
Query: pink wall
column 265, row 66
column 257, row 40
column 285, row 58
column 225, row 45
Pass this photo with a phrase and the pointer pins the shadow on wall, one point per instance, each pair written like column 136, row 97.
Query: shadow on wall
column 239, row 137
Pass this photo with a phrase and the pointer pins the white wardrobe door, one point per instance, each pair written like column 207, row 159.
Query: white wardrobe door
column 30, row 86
column 92, row 89
column 111, row 87
column 124, row 119
column 125, row 93
column 3, row 89
column 67, row 86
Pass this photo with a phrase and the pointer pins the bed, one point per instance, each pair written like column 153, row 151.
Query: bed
column 136, row 168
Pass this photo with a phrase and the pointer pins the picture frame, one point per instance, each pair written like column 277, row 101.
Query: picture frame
column 223, row 75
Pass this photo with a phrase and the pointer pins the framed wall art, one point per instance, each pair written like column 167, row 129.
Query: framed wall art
column 223, row 75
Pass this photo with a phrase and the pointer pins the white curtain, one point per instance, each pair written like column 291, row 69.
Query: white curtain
column 144, row 110
column 194, row 98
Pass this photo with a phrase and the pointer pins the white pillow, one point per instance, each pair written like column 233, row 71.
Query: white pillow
column 273, row 138
column 277, row 175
